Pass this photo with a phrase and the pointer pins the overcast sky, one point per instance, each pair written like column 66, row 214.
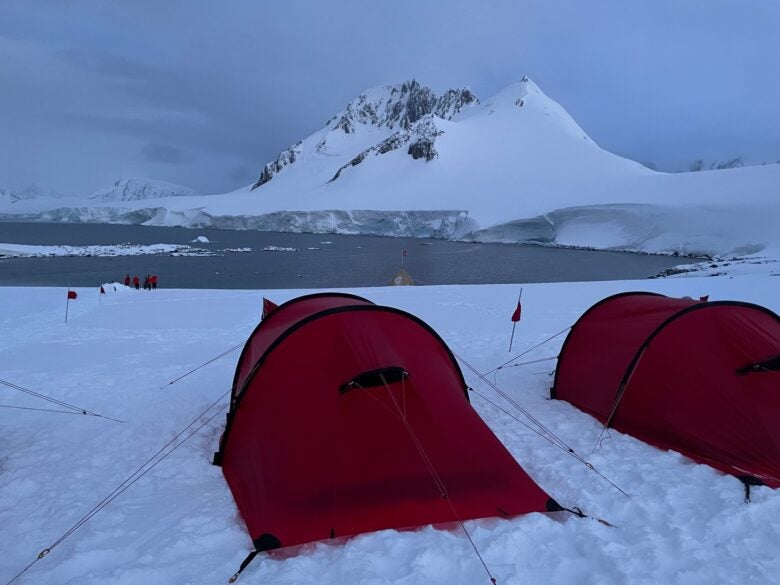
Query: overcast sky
column 204, row 93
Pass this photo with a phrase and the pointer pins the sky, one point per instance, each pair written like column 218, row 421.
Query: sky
column 204, row 93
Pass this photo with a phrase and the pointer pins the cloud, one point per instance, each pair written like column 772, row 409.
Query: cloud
column 200, row 90
column 243, row 174
column 163, row 153
column 106, row 64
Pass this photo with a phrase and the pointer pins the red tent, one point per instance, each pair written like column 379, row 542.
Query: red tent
column 348, row 417
column 700, row 378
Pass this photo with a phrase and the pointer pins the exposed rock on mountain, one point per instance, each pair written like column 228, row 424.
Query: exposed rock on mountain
column 401, row 106
column 287, row 157
column 421, row 138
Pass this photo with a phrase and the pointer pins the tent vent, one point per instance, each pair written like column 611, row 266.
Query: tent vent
column 770, row 365
column 374, row 378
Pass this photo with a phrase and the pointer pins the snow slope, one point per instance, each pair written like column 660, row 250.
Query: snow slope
column 400, row 160
column 682, row 524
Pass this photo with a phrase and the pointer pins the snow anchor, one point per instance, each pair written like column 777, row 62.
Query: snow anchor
column 747, row 481
column 580, row 514
column 250, row 557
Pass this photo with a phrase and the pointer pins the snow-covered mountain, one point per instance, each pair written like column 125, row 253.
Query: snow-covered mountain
column 402, row 147
column 401, row 160
column 31, row 192
column 140, row 190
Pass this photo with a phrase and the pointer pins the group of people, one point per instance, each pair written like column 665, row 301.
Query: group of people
column 150, row 281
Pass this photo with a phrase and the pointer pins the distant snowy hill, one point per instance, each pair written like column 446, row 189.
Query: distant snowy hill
column 9, row 196
column 733, row 162
column 401, row 160
column 140, row 190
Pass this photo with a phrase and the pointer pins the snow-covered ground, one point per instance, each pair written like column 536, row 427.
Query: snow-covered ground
column 682, row 524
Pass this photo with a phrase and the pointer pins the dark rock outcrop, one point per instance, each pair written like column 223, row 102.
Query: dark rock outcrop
column 287, row 157
column 421, row 138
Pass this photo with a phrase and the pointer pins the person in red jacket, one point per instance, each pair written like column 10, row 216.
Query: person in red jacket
column 136, row 282
column 153, row 281
column 127, row 280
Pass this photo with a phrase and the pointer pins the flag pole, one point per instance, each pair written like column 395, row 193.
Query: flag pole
column 67, row 302
column 402, row 258
column 514, row 323
column 513, row 336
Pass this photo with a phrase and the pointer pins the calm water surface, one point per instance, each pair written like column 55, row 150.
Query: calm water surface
column 322, row 260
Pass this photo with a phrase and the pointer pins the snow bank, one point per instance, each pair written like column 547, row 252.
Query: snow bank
column 695, row 230
column 31, row 251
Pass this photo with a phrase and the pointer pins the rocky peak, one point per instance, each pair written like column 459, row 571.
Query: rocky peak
column 453, row 101
column 400, row 106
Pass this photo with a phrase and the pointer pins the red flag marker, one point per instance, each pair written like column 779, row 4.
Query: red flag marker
column 515, row 318
column 71, row 296
column 518, row 312
column 268, row 308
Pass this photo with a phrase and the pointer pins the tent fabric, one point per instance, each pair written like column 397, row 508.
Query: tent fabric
column 276, row 322
column 681, row 374
column 354, row 417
